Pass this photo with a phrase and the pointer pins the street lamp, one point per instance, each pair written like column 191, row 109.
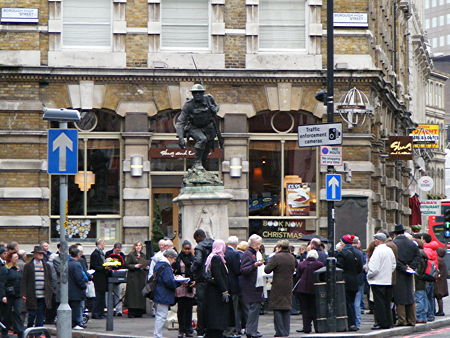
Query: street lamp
column 64, row 313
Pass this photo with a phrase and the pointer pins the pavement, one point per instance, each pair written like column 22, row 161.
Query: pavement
column 143, row 327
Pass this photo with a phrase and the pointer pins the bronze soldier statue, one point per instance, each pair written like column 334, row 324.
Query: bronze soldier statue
column 198, row 121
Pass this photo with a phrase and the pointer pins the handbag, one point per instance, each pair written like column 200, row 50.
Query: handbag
column 149, row 289
column 90, row 290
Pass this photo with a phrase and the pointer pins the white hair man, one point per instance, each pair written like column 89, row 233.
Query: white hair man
column 379, row 275
column 164, row 244
column 316, row 245
column 252, row 280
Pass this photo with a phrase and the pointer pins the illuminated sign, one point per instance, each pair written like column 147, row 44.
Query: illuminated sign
column 400, row 148
column 426, row 136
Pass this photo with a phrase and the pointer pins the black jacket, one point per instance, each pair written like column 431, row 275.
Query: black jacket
column 101, row 274
column 234, row 269
column 10, row 278
column 408, row 253
column 201, row 252
column 351, row 261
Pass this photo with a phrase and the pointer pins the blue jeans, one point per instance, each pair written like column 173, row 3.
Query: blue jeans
column 75, row 305
column 421, row 305
column 429, row 287
column 36, row 317
column 359, row 298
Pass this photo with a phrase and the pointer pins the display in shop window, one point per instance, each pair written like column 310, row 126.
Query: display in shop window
column 298, row 197
column 76, row 228
column 279, row 228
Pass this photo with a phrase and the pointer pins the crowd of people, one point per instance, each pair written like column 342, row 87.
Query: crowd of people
column 399, row 278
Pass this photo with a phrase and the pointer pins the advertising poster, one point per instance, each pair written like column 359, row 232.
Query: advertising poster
column 297, row 199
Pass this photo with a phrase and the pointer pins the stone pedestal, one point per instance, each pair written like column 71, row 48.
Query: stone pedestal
column 204, row 207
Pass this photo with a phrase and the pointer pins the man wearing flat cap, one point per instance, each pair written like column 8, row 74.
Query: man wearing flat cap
column 36, row 288
column 379, row 275
column 407, row 262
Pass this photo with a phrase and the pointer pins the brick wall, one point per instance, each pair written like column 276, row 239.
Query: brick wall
column 10, row 207
column 24, row 235
column 137, row 48
column 23, row 179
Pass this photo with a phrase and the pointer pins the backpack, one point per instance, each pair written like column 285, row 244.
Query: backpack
column 149, row 289
column 431, row 272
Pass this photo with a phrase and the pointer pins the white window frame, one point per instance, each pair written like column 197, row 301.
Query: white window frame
column 427, row 24
column 434, row 22
column 442, row 41
column 88, row 48
column 441, row 20
column 187, row 49
column 289, row 50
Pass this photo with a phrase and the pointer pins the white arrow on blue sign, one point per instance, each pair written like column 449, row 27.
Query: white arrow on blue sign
column 333, row 184
column 62, row 151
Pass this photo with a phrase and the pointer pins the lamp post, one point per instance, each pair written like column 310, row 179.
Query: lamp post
column 331, row 260
column 64, row 312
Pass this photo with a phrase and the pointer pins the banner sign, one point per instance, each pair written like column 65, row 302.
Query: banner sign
column 181, row 153
column 400, row 148
column 430, row 208
column 281, row 229
column 19, row 14
column 426, row 136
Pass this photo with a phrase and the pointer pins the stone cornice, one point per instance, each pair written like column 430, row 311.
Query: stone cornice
column 145, row 75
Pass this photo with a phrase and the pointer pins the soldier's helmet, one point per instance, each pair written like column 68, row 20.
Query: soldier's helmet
column 197, row 88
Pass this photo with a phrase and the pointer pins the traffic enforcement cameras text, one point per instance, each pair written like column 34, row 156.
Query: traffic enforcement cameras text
column 61, row 115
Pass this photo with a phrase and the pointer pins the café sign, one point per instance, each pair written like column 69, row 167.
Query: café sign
column 27, row 15
column 400, row 148
column 170, row 153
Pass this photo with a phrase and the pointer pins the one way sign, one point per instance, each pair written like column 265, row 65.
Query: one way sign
column 334, row 187
column 62, row 151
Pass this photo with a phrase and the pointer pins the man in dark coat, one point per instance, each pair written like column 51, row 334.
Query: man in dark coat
column 252, row 292
column 350, row 260
column 100, row 279
column 234, row 270
column 407, row 262
column 77, row 286
column 116, row 253
column 201, row 252
column 282, row 265
column 315, row 245
column 36, row 288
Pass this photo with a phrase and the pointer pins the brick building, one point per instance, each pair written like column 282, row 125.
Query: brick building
column 128, row 66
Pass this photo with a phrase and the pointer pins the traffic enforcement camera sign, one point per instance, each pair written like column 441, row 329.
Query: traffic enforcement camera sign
column 312, row 135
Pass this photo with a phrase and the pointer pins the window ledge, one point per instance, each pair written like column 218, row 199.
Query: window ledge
column 280, row 60
column 101, row 59
column 182, row 60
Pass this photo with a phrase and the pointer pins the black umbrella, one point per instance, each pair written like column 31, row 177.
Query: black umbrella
column 311, row 236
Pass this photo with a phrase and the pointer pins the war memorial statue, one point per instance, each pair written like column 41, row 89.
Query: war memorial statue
column 198, row 121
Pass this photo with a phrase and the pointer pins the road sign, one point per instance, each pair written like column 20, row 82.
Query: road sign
column 334, row 187
column 62, row 151
column 312, row 135
column 330, row 155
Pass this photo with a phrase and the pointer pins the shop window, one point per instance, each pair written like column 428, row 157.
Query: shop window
column 87, row 24
column 185, row 24
column 164, row 122
column 93, row 192
column 282, row 24
column 282, row 188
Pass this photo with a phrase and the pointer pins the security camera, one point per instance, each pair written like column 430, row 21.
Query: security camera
column 61, row 115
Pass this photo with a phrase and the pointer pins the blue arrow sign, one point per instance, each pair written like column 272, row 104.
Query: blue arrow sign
column 333, row 184
column 62, row 151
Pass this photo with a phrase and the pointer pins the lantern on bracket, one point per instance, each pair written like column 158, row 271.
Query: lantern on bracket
column 354, row 107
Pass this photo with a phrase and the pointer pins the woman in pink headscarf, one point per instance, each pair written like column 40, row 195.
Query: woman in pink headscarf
column 218, row 299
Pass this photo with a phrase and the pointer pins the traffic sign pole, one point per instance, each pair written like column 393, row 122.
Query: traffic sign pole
column 331, row 260
column 64, row 312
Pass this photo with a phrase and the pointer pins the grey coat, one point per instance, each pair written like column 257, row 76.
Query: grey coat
column 283, row 267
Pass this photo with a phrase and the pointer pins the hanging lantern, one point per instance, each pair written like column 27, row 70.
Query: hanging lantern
column 84, row 180
column 353, row 104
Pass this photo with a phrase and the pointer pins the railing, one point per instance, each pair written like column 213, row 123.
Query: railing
column 41, row 330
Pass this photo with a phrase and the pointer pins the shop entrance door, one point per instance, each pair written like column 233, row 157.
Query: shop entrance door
column 166, row 212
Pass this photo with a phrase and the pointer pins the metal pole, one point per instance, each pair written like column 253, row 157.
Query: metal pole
column 331, row 260
column 64, row 323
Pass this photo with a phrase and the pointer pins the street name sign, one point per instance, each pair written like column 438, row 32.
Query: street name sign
column 334, row 187
column 312, row 135
column 430, row 208
column 62, row 151
column 330, row 155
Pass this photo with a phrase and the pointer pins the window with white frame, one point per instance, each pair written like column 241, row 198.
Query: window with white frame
column 185, row 24
column 448, row 19
column 441, row 20
column 434, row 22
column 434, row 42
column 282, row 24
column 448, row 39
column 427, row 23
column 87, row 24
column 427, row 4
column 442, row 41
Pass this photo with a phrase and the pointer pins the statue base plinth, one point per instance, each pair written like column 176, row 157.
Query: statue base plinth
column 204, row 206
